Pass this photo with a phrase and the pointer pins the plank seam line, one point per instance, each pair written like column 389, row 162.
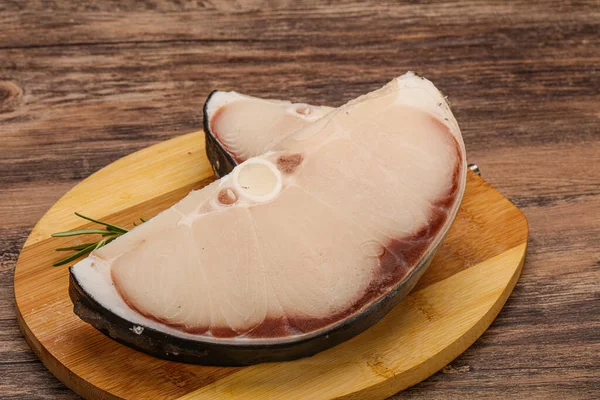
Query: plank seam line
column 137, row 42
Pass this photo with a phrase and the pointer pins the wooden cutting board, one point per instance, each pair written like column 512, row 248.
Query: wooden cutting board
column 463, row 290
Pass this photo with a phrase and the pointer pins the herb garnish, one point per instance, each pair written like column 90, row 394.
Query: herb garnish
column 109, row 233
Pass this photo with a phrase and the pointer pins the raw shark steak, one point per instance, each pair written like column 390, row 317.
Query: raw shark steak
column 297, row 249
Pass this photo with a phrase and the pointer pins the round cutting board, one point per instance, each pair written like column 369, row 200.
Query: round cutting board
column 463, row 290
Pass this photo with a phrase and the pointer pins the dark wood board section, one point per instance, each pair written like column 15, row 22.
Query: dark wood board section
column 85, row 83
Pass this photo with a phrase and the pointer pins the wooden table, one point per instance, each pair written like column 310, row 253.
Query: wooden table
column 85, row 83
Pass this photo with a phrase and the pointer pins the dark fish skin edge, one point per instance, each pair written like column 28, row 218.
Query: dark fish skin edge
column 163, row 345
column 221, row 161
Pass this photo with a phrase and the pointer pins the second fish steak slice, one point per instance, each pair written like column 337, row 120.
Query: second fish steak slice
column 239, row 127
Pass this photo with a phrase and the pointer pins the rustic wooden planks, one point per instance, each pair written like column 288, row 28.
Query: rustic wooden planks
column 522, row 77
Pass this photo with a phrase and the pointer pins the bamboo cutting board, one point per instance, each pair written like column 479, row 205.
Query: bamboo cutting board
column 461, row 293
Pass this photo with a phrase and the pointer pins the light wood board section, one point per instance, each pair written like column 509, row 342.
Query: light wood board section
column 467, row 284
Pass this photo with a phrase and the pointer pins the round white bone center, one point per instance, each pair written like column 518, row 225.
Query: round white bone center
column 257, row 179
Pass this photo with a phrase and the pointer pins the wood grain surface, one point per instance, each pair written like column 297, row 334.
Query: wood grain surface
column 85, row 83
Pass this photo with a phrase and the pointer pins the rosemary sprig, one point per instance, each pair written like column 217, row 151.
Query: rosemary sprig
column 77, row 247
column 110, row 227
column 82, row 232
column 109, row 233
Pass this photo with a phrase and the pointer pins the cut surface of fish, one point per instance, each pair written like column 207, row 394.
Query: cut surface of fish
column 297, row 249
